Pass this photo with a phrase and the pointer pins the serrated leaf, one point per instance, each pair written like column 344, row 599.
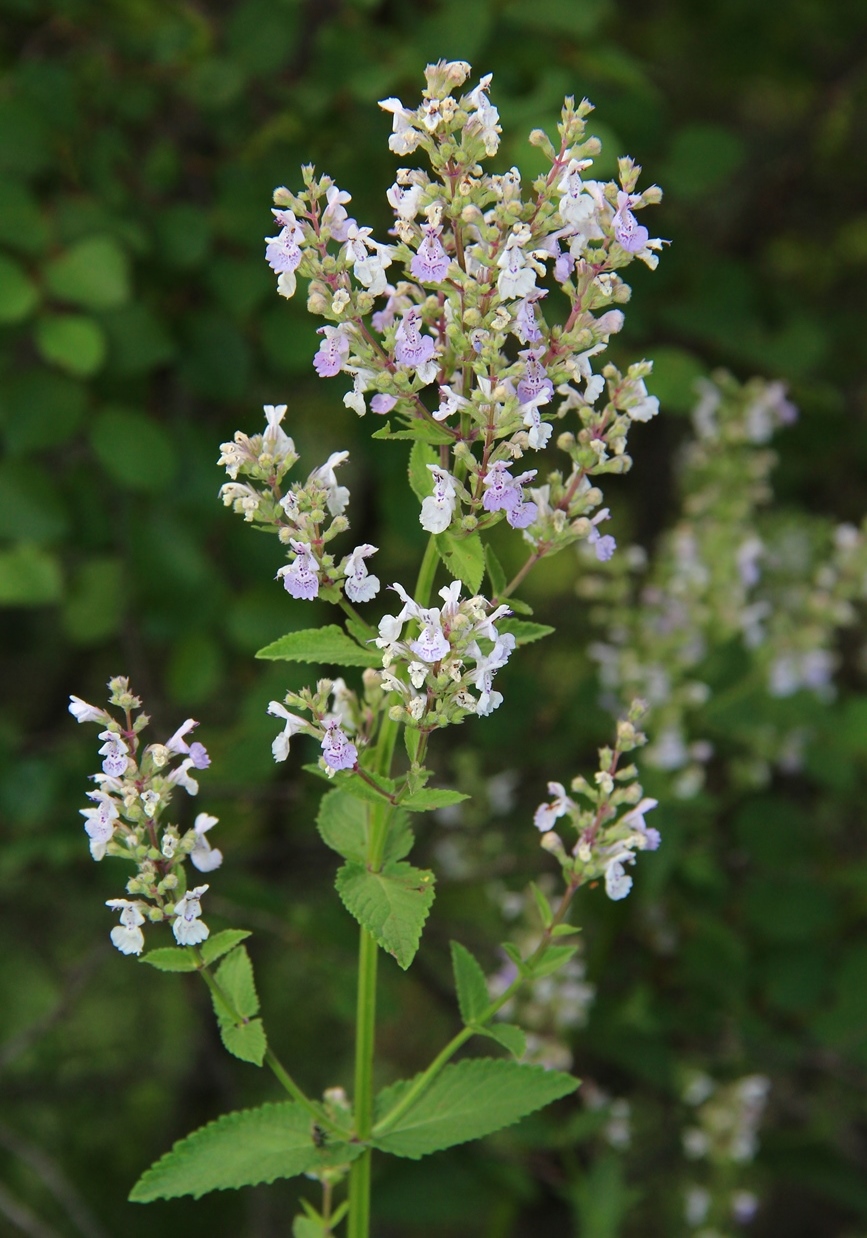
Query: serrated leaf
column 342, row 822
column 235, row 978
column 170, row 958
column 542, row 906
column 520, row 608
column 553, row 959
column 353, row 785
column 509, row 1036
column 241, row 1149
column 523, row 631
column 496, row 574
column 470, row 982
column 392, row 904
column 412, row 742
column 429, row 798
column 221, row 943
column 466, row 1101
column 421, row 431
column 420, row 476
column 464, row 557
column 362, row 632
column 329, row 645
column 246, row 1041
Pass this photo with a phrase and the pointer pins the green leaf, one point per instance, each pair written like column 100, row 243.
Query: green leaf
column 362, row 790
column 18, row 293
column 72, row 341
column 170, row 958
column 542, row 906
column 464, row 557
column 520, row 608
column 221, row 943
column 523, row 631
column 235, row 977
column 93, row 273
column 343, row 825
column 246, row 1041
column 29, row 576
column 328, row 645
column 420, row 476
column 471, row 985
column 553, row 959
column 241, row 1149
column 134, row 449
column 392, row 904
column 507, row 1035
column 467, row 1101
column 429, row 798
column 496, row 574
column 421, row 431
column 307, row 1227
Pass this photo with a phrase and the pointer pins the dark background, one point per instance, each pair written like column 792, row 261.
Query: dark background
column 139, row 144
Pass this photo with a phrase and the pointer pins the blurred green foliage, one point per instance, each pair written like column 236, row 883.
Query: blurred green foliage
column 139, row 144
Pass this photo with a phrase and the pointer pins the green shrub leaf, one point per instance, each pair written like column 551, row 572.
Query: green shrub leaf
column 343, row 825
column 221, row 943
column 241, row 1149
column 464, row 557
column 466, row 1101
column 170, row 958
column 329, row 645
column 429, row 798
column 392, row 904
column 472, row 988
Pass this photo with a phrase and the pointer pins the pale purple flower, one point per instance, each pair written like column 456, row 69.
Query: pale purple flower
column 301, row 577
column 99, row 822
column 431, row 262
column 360, row 586
column 438, row 508
column 334, row 216
column 604, row 546
column 431, row 644
column 526, row 327
column 338, row 751
column 203, row 856
column 197, row 752
column 182, row 777
column 534, row 381
column 283, row 252
column 338, row 496
column 332, row 352
column 382, row 403
column 127, row 935
column 546, row 814
column 577, row 206
column 504, row 492
column 618, row 883
column 369, row 258
column 188, row 929
column 450, row 402
column 411, row 348
column 628, row 232
column 396, row 304
column 294, row 724
column 484, row 670
column 82, row 712
column 635, row 820
column 115, row 751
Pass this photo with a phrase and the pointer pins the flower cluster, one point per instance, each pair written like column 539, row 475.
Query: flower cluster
column 457, row 348
column 128, row 819
column 727, row 573
column 446, row 651
column 725, row 1135
column 305, row 516
column 608, row 838
column 336, row 714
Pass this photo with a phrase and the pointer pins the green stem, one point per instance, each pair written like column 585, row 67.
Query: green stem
column 427, row 572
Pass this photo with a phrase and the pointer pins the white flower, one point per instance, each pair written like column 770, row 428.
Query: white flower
column 450, row 402
column 127, row 935
column 539, row 430
column 294, row 724
column 115, row 752
column 404, row 138
column 286, row 284
column 617, row 882
column 82, row 712
column 203, row 856
column 99, row 822
column 275, row 440
column 517, row 278
column 437, row 509
column 486, row 121
column 188, row 929
column 360, row 585
column 181, row 776
column 546, row 814
column 338, row 496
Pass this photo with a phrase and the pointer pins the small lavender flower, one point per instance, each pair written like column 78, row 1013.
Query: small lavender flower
column 504, row 493
column 332, row 352
column 283, row 252
column 411, row 348
column 431, row 262
column 334, row 217
column 115, row 752
column 617, row 881
column 603, row 546
column 337, row 750
column 127, row 935
column 294, row 724
column 534, row 381
column 197, row 752
column 546, row 814
column 438, row 508
column 526, row 326
column 517, row 277
column 99, row 822
column 188, row 929
column 382, row 403
column 450, row 402
column 203, row 856
column 301, row 577
column 360, row 586
column 628, row 232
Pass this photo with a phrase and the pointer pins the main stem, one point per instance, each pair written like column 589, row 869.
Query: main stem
column 358, row 1221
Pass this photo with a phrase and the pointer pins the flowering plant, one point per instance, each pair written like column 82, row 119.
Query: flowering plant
column 460, row 358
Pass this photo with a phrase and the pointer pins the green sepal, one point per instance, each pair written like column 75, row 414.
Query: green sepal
column 466, row 1101
column 392, row 904
column 329, row 646
column 241, row 1149
column 470, row 983
column 464, row 557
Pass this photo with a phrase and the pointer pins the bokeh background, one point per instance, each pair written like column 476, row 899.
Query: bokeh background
column 139, row 144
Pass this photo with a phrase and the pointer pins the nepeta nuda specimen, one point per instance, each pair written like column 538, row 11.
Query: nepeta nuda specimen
column 443, row 334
